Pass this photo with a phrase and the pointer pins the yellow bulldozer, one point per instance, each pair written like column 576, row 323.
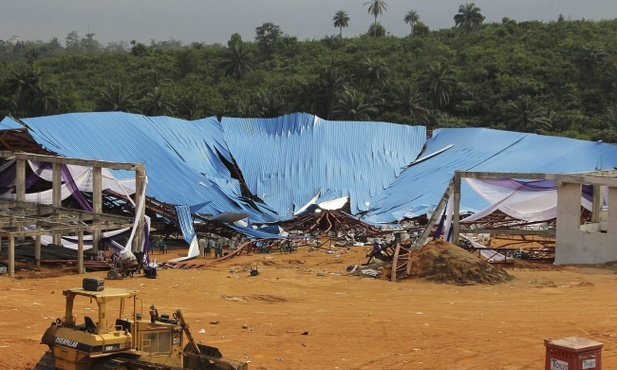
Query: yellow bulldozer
column 129, row 341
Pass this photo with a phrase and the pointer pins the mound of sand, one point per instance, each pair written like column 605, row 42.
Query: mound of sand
column 447, row 263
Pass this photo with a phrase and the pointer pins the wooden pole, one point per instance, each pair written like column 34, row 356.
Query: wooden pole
column 37, row 248
column 11, row 256
column 140, row 183
column 80, row 252
column 395, row 262
column 456, row 199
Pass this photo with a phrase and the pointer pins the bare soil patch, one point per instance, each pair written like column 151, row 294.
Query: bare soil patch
column 305, row 311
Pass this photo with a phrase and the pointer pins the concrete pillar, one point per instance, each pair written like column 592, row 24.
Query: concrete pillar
column 56, row 193
column 611, row 222
column 568, row 207
column 97, row 205
column 596, row 208
column 20, row 181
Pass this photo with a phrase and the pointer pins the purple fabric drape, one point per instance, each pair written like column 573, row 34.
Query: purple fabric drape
column 68, row 178
column 7, row 178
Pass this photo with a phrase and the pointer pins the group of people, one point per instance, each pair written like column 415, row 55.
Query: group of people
column 207, row 246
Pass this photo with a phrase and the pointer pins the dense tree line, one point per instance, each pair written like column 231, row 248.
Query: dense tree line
column 556, row 78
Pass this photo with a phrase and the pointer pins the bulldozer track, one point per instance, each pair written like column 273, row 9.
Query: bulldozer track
column 46, row 362
column 117, row 362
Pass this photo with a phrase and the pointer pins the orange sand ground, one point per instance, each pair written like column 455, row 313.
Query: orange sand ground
column 352, row 322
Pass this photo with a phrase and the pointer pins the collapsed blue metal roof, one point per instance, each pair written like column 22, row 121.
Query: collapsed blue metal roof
column 9, row 123
column 483, row 150
column 289, row 160
column 388, row 171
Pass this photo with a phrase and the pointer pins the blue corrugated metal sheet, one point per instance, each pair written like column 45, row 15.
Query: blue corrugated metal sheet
column 181, row 157
column 289, row 160
column 10, row 124
column 285, row 161
column 420, row 187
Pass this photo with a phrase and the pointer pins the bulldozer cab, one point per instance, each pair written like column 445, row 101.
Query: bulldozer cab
column 123, row 297
column 158, row 336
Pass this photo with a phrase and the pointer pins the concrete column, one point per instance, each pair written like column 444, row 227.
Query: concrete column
column 611, row 222
column 597, row 201
column 569, row 239
column 56, row 193
column 20, row 185
column 20, row 181
column 97, row 205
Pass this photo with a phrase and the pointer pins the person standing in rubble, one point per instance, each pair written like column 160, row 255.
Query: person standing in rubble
column 218, row 249
column 208, row 248
column 211, row 246
column 162, row 246
column 202, row 247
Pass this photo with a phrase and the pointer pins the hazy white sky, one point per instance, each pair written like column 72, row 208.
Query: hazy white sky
column 214, row 21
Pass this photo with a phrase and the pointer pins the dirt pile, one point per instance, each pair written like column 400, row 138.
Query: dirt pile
column 447, row 263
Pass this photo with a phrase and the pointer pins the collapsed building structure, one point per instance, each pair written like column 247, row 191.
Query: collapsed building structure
column 236, row 173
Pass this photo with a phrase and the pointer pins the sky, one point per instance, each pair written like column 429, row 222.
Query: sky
column 214, row 21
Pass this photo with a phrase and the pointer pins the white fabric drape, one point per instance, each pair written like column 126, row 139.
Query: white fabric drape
column 532, row 206
column 518, row 202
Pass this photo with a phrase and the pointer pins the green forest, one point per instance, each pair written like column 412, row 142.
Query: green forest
column 553, row 78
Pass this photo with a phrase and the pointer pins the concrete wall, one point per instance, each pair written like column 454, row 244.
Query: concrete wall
column 583, row 245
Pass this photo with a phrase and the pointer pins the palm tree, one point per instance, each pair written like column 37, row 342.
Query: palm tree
column 412, row 18
column 23, row 85
column 468, row 17
column 270, row 104
column 525, row 115
column 376, row 7
column 156, row 78
column 117, row 98
column 438, row 82
column 340, row 19
column 157, row 103
column 306, row 97
column 243, row 108
column 331, row 82
column 408, row 101
column 377, row 30
column 239, row 61
column 354, row 106
column 588, row 58
column 46, row 101
column 375, row 72
column 190, row 106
